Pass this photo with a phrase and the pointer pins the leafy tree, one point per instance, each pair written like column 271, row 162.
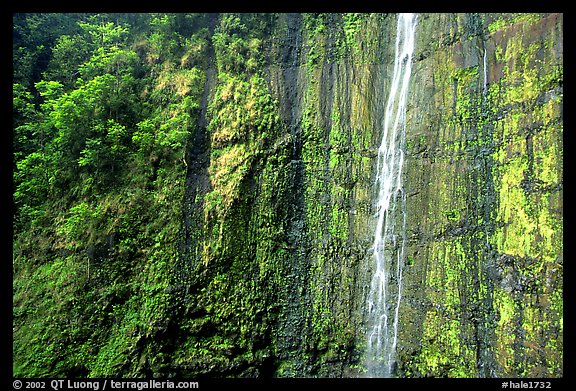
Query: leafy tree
column 105, row 34
column 33, row 38
column 100, row 133
column 33, row 163
column 24, row 113
column 69, row 52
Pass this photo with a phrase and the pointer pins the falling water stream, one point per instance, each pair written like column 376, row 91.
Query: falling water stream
column 390, row 234
column 485, row 81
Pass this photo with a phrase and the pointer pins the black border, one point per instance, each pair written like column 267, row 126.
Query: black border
column 310, row 6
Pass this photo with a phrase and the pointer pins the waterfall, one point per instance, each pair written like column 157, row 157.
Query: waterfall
column 485, row 82
column 390, row 233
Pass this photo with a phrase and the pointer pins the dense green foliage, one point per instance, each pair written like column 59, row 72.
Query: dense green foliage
column 194, row 194
column 102, row 136
column 100, row 131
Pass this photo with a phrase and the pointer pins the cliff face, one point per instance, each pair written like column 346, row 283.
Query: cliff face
column 486, row 216
column 273, row 260
column 483, row 287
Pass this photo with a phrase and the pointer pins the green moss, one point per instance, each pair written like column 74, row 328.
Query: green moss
column 527, row 229
column 268, row 268
column 505, row 332
column 453, row 215
column 442, row 353
column 506, row 20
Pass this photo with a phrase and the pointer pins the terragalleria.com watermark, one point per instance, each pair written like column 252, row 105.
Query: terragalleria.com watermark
column 96, row 385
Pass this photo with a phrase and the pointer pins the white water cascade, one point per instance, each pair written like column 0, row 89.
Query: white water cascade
column 390, row 233
column 485, row 81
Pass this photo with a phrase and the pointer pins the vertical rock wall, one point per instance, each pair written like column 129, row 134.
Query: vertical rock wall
column 483, row 277
column 259, row 265
column 484, row 296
